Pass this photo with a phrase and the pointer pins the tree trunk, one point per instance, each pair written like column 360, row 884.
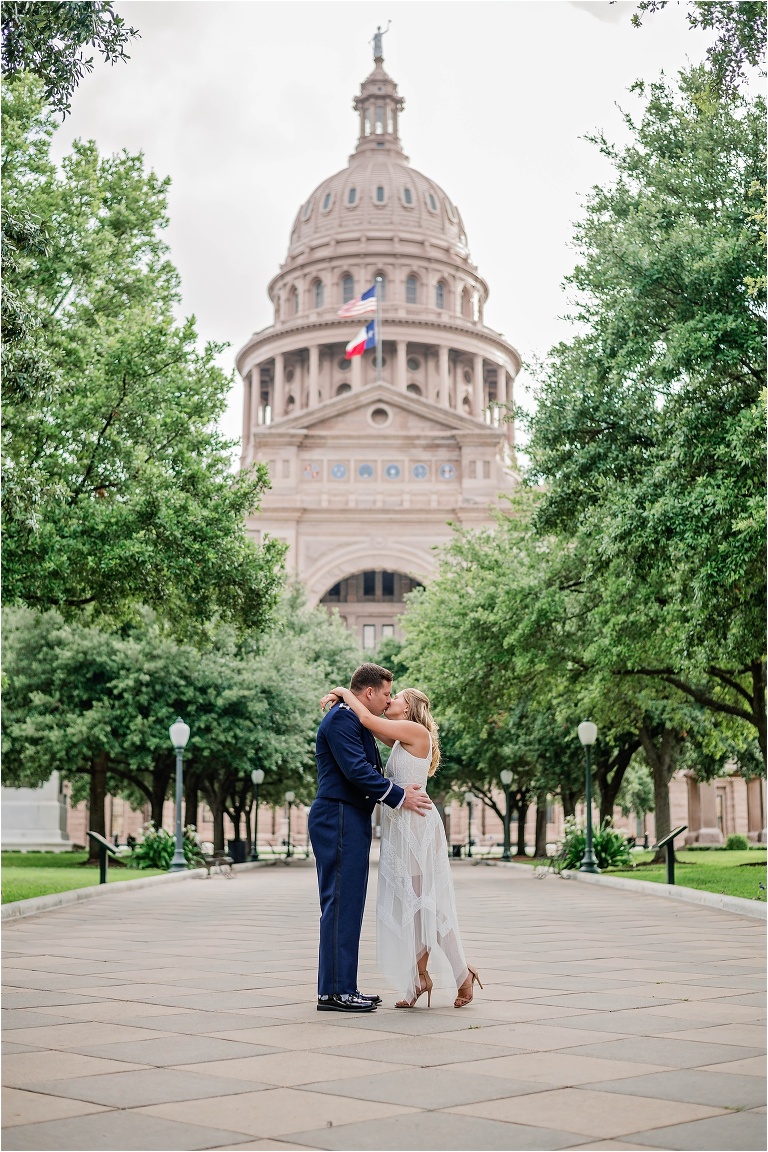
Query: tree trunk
column 191, row 799
column 218, row 826
column 522, row 812
column 96, row 802
column 541, row 829
column 568, row 800
column 608, row 784
column 161, row 774
column 758, row 692
column 661, row 755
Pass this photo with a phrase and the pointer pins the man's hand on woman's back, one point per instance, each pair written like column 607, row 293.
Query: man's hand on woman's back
column 416, row 800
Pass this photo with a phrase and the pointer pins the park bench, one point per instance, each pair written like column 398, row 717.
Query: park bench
column 216, row 860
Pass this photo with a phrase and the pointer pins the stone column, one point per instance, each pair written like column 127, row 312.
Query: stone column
column 278, row 387
column 402, row 349
column 247, row 409
column 694, row 810
column 442, row 354
column 709, row 833
column 755, row 814
column 478, row 391
column 314, row 374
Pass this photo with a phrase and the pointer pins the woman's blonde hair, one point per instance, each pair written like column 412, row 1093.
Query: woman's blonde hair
column 417, row 709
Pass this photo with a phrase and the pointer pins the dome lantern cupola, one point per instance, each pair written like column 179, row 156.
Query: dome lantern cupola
column 379, row 107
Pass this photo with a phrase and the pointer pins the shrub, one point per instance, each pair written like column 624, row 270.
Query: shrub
column 737, row 843
column 610, row 846
column 158, row 846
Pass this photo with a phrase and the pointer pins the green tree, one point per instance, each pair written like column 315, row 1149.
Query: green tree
column 48, row 41
column 648, row 434
column 118, row 488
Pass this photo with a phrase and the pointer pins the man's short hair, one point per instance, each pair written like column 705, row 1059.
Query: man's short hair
column 369, row 676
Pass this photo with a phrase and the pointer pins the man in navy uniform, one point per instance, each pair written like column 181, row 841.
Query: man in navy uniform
column 350, row 781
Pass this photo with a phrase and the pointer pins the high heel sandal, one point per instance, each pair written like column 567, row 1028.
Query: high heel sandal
column 425, row 985
column 462, row 1000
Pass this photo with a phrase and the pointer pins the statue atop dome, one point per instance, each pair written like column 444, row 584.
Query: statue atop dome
column 378, row 47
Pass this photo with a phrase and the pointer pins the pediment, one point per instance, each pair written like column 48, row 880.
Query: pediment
column 355, row 414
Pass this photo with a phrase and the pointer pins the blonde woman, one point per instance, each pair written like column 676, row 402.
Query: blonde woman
column 416, row 921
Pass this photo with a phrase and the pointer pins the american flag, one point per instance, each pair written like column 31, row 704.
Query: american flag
column 362, row 306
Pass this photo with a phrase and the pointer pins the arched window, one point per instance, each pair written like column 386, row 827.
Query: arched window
column 380, row 194
column 382, row 287
column 327, row 201
column 352, row 196
column 411, row 290
column 440, row 294
column 367, row 122
column 407, row 196
column 466, row 308
column 319, row 293
column 293, row 299
column 347, row 289
column 414, row 389
column 343, row 388
column 379, row 119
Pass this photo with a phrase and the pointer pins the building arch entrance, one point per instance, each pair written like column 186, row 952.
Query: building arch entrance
column 371, row 602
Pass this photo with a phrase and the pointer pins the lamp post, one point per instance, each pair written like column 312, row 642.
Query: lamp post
column 257, row 779
column 587, row 735
column 506, row 779
column 469, row 799
column 179, row 733
column 289, row 799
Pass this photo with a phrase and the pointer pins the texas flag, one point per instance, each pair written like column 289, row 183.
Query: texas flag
column 366, row 338
column 362, row 306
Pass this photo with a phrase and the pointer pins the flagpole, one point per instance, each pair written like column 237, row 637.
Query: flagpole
column 379, row 283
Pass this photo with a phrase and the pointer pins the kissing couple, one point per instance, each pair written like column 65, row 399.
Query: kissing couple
column 416, row 921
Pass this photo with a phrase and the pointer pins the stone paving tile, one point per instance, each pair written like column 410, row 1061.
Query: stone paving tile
column 56, row 981
column 632, row 1023
column 26, row 1067
column 146, row 1086
column 705, row 1012
column 316, row 1035
column 290, row 1069
column 13, row 1018
column 423, row 1052
column 693, row 1086
column 411, row 1022
column 741, row 1034
column 435, row 1132
column 425, row 1087
column 203, row 1023
column 744, row 1131
column 174, row 1049
column 266, row 1145
column 533, row 1037
column 556, row 1069
column 753, row 1066
column 588, row 1112
column 23, row 1107
column 752, row 999
column 611, row 1001
column 122, row 1131
column 666, row 1050
column 118, row 1011
column 8, row 1048
column 617, row 1145
column 71, row 1035
column 498, row 1012
column 38, row 999
column 277, row 1111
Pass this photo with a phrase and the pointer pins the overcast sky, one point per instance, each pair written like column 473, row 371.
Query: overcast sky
column 246, row 105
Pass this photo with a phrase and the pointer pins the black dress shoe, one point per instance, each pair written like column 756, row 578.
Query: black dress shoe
column 345, row 1002
column 365, row 996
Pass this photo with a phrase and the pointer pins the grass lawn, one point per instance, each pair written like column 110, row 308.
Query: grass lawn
column 729, row 873
column 27, row 874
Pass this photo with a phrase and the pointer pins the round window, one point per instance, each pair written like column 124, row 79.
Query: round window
column 365, row 471
column 467, row 377
column 447, row 471
column 343, row 364
column 420, row 471
column 380, row 416
column 392, row 471
column 413, row 363
column 339, row 471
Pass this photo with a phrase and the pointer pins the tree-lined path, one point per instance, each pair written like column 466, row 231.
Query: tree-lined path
column 182, row 1017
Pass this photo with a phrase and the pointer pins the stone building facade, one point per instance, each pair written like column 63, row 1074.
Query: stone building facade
column 367, row 472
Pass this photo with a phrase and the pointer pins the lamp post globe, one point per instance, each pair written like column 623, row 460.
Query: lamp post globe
column 506, row 779
column 469, row 799
column 179, row 734
column 588, row 735
column 257, row 779
column 289, row 799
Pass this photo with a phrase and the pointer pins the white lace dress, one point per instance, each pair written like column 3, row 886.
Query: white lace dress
column 415, row 906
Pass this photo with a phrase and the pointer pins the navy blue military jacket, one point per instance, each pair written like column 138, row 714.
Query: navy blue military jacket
column 349, row 764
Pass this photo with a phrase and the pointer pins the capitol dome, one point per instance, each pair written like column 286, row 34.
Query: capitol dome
column 369, row 462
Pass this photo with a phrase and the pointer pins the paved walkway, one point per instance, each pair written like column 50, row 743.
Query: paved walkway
column 182, row 1017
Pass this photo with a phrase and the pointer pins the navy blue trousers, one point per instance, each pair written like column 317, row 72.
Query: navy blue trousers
column 341, row 842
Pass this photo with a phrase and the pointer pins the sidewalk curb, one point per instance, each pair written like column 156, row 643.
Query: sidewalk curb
column 736, row 904
column 18, row 909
